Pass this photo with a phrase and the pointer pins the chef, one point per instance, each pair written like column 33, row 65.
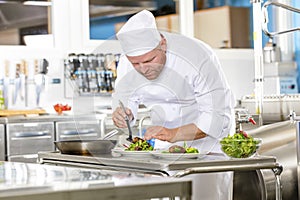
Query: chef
column 181, row 81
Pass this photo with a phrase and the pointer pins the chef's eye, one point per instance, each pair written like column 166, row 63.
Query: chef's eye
column 135, row 64
column 150, row 60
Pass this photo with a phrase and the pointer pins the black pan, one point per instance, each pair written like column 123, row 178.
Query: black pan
column 85, row 147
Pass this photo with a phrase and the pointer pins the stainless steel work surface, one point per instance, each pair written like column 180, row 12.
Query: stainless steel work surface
column 34, row 181
column 148, row 163
column 51, row 118
column 212, row 162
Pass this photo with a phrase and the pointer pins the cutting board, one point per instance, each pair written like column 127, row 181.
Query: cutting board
column 7, row 113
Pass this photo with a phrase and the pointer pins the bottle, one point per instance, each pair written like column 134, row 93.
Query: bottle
column 2, row 102
column 91, row 74
column 81, row 75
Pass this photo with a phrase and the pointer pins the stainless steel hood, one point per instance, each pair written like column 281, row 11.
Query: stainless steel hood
column 125, row 3
column 112, row 8
column 14, row 14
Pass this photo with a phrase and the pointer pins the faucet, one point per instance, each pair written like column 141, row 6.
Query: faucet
column 141, row 125
column 242, row 116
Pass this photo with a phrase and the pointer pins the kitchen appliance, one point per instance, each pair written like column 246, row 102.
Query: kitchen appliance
column 2, row 142
column 25, row 140
column 284, row 42
column 280, row 78
column 276, row 107
column 79, row 129
column 279, row 140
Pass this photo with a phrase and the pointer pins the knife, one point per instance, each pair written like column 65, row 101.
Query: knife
column 127, row 121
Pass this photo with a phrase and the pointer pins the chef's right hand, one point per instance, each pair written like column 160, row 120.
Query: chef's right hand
column 118, row 117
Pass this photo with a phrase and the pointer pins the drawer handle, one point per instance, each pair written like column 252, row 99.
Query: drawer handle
column 31, row 134
column 70, row 136
column 78, row 132
column 31, row 138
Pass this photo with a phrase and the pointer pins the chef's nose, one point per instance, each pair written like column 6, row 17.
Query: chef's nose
column 143, row 67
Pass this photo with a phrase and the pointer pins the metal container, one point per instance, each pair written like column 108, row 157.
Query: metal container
column 85, row 147
column 272, row 53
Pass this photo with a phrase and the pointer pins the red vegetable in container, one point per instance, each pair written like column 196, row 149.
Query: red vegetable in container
column 59, row 108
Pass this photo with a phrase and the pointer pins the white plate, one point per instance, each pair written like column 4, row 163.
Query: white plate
column 177, row 156
column 136, row 154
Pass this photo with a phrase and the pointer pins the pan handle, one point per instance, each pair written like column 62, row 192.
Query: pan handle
column 110, row 134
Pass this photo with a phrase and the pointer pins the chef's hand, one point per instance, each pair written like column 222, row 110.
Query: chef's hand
column 118, row 117
column 161, row 133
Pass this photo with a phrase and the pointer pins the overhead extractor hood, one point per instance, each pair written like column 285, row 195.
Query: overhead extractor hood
column 16, row 15
column 112, row 8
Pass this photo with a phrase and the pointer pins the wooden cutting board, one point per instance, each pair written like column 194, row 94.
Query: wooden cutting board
column 7, row 113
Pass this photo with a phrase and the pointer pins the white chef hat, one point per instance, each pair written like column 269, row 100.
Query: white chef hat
column 139, row 34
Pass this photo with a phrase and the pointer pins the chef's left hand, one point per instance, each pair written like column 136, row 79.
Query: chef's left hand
column 161, row 133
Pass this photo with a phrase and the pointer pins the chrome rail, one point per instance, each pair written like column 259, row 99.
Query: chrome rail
column 266, row 20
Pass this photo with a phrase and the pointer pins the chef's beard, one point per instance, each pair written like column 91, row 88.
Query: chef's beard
column 153, row 74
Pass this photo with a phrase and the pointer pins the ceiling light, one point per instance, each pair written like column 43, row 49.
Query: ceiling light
column 38, row 3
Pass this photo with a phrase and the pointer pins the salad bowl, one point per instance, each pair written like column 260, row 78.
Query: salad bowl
column 240, row 145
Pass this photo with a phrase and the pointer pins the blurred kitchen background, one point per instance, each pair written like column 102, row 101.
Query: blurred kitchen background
column 61, row 51
column 65, row 51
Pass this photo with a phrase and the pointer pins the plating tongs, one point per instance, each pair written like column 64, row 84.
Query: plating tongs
column 127, row 121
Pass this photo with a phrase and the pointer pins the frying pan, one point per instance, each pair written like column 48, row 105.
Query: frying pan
column 85, row 147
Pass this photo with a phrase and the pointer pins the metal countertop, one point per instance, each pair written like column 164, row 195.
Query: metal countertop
column 49, row 118
column 34, row 181
column 214, row 162
column 153, row 164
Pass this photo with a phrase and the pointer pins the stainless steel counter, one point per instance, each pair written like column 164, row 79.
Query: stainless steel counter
column 34, row 181
column 207, row 164
column 50, row 118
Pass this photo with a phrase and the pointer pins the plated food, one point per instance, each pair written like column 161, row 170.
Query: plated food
column 139, row 144
column 180, row 149
column 176, row 152
column 176, row 156
column 240, row 145
column 141, row 149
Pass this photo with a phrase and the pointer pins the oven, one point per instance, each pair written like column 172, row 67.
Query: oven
column 2, row 142
column 25, row 140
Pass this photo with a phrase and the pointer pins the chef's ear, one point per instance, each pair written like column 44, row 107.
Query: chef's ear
column 163, row 44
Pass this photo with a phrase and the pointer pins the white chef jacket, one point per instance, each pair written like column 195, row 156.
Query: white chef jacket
column 190, row 89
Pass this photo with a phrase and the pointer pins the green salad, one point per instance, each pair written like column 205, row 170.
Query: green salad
column 239, row 145
column 139, row 144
